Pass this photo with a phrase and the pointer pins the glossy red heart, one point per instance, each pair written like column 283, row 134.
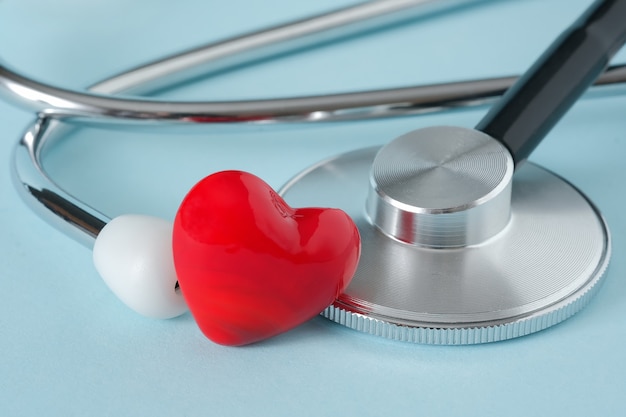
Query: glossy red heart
column 250, row 266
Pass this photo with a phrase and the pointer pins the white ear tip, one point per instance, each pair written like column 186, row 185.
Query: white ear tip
column 133, row 255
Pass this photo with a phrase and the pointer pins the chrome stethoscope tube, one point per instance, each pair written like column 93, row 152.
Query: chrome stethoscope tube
column 97, row 104
column 83, row 222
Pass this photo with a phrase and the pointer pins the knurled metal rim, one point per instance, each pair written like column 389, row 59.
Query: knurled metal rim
column 523, row 326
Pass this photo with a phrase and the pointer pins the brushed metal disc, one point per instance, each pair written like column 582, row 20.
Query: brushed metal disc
column 541, row 269
column 441, row 186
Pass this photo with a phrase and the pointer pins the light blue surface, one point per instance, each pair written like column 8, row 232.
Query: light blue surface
column 68, row 347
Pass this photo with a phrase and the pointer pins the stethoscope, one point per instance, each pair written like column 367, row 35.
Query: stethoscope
column 445, row 235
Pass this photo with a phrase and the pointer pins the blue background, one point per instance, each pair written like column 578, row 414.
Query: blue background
column 69, row 347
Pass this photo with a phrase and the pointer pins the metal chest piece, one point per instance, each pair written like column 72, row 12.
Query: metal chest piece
column 456, row 248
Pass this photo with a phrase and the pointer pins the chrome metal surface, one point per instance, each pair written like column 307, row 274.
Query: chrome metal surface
column 543, row 267
column 440, row 187
column 52, row 203
column 61, row 103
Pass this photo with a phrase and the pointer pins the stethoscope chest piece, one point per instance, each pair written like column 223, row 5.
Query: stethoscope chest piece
column 456, row 247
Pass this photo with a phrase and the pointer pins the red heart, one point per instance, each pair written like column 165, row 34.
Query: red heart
column 250, row 266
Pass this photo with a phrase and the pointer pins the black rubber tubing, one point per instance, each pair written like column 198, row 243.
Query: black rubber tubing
column 538, row 100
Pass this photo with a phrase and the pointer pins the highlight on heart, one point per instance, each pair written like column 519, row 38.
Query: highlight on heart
column 246, row 264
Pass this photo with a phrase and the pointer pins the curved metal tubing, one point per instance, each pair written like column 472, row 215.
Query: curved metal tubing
column 98, row 105
column 47, row 100
column 82, row 222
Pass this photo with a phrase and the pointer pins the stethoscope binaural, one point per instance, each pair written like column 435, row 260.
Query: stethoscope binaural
column 462, row 242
